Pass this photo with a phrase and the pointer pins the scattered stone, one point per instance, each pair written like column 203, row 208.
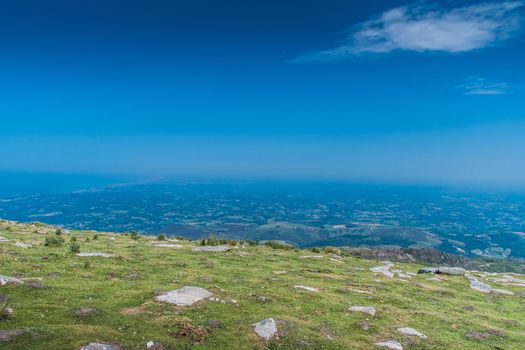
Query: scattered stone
column 9, row 280
column 384, row 270
column 169, row 245
column 475, row 335
column 85, row 311
column 212, row 248
column 501, row 291
column 34, row 284
column 23, row 245
column 280, row 272
column 134, row 276
column 411, row 331
column 479, row 286
column 218, row 300
column 7, row 334
column 3, row 239
column 311, row 257
column 214, row 324
column 100, row 346
column 390, row 344
column 5, row 312
column 3, row 297
column 54, row 274
column 366, row 309
column 185, row 296
column 97, row 254
column 469, row 308
column 153, row 345
column 309, row 289
column 266, row 329
column 364, row 325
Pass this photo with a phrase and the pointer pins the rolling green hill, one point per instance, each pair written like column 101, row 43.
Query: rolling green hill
column 52, row 298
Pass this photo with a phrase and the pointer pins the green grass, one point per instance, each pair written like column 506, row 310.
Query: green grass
column 129, row 316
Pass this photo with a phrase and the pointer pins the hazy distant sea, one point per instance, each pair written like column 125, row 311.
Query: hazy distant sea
column 14, row 183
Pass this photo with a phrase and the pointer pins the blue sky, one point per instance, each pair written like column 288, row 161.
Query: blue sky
column 388, row 91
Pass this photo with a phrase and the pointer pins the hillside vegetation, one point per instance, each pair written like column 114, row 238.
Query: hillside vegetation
column 51, row 298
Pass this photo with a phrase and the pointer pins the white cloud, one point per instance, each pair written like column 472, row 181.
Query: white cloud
column 479, row 86
column 425, row 26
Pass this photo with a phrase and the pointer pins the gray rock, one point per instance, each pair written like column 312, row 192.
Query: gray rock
column 100, row 346
column 311, row 257
column 96, row 254
column 23, row 245
column 214, row 324
column 479, row 286
column 475, row 335
column 3, row 239
column 390, row 344
column 153, row 345
column 309, row 289
column 85, row 311
column 169, row 245
column 411, row 331
column 366, row 309
column 134, row 276
column 266, row 329
column 445, row 270
column 186, row 296
column 211, row 248
column 9, row 280
column 384, row 270
column 8, row 334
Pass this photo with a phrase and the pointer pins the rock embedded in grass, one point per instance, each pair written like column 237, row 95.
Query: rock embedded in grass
column 9, row 280
column 365, row 309
column 266, row 329
column 309, row 289
column 390, row 344
column 100, row 346
column 412, row 332
column 169, row 245
column 95, row 254
column 3, row 239
column 8, row 334
column 311, row 257
column 384, row 270
column 211, row 248
column 23, row 245
column 185, row 296
column 85, row 311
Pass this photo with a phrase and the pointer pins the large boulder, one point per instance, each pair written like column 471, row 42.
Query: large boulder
column 266, row 329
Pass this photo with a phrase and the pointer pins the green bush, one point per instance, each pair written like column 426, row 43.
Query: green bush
column 134, row 235
column 161, row 237
column 95, row 237
column 74, row 247
column 58, row 231
column 279, row 245
column 54, row 241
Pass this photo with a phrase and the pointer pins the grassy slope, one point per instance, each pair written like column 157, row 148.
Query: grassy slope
column 130, row 318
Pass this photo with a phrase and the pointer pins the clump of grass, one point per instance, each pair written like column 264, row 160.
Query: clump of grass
column 214, row 241
column 315, row 250
column 332, row 250
column 95, row 237
column 58, row 231
column 279, row 245
column 5, row 311
column 54, row 241
column 161, row 237
column 252, row 243
column 74, row 247
column 134, row 235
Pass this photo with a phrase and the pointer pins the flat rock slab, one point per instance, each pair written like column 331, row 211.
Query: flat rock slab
column 479, row 286
column 7, row 334
column 266, row 329
column 212, row 248
column 384, row 270
column 311, row 257
column 100, row 346
column 9, row 280
column 309, row 289
column 3, row 239
column 366, row 309
column 390, row 344
column 169, row 245
column 186, row 296
column 411, row 332
column 23, row 245
column 97, row 254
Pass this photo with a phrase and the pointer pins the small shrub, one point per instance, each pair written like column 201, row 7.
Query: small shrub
column 87, row 264
column 161, row 237
column 253, row 243
column 279, row 245
column 53, row 241
column 332, row 250
column 134, row 235
column 95, row 237
column 73, row 239
column 58, row 231
column 87, row 239
column 74, row 247
column 315, row 250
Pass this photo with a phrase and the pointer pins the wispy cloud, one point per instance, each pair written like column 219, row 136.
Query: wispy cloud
column 426, row 26
column 480, row 86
